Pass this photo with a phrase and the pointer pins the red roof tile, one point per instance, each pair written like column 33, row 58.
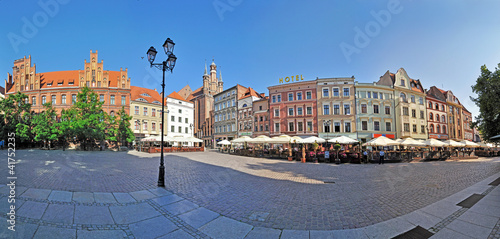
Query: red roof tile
column 139, row 92
column 176, row 96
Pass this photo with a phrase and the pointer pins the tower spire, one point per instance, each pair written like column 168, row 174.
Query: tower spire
column 205, row 67
column 220, row 73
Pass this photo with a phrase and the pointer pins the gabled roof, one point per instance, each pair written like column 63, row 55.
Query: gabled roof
column 175, row 95
column 194, row 93
column 419, row 87
column 140, row 92
column 250, row 92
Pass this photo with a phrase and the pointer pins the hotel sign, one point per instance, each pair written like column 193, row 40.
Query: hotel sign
column 291, row 78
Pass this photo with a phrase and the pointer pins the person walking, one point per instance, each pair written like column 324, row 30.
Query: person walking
column 382, row 154
column 365, row 155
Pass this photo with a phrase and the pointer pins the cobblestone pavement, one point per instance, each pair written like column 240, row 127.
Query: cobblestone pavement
column 260, row 192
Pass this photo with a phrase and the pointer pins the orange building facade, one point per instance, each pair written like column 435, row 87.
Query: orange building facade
column 62, row 87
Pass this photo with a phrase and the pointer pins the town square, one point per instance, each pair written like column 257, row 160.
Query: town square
column 238, row 119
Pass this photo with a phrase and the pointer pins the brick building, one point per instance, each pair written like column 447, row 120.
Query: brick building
column 436, row 114
column 261, row 117
column 145, row 109
column 61, row 87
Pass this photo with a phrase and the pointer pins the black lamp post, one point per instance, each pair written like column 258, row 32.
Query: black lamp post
column 169, row 65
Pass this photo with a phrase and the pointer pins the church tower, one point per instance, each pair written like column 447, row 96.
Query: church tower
column 220, row 84
column 206, row 83
column 213, row 78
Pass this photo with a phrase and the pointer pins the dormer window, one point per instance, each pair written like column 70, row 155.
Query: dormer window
column 145, row 95
column 402, row 82
column 141, row 99
column 154, row 102
column 49, row 84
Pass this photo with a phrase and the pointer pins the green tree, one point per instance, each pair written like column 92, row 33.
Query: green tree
column 487, row 88
column 66, row 126
column 124, row 134
column 90, row 121
column 45, row 125
column 17, row 117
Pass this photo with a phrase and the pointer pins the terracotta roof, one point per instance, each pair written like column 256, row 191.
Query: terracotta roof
column 194, row 94
column 56, row 77
column 137, row 93
column 175, row 95
column 250, row 92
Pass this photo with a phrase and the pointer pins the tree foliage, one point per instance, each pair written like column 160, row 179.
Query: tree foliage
column 487, row 88
column 45, row 129
column 16, row 117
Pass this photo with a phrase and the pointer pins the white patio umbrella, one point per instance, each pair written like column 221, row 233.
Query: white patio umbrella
column 313, row 139
column 342, row 140
column 296, row 140
column 282, row 139
column 452, row 143
column 224, row 142
column 434, row 143
column 483, row 145
column 262, row 139
column 381, row 141
column 157, row 138
column 193, row 139
column 469, row 144
column 241, row 139
column 411, row 142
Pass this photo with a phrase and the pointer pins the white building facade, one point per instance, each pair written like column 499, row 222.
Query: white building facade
column 180, row 117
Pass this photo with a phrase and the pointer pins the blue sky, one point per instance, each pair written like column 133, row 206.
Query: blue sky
column 442, row 43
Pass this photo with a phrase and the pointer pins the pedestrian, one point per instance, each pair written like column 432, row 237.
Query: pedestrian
column 382, row 154
column 365, row 156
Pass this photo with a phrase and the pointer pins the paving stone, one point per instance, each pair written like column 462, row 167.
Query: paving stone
column 349, row 234
column 54, row 232
column 388, row 229
column 59, row 213
column 479, row 219
column 469, row 229
column 180, row 207
column 98, row 234
column 294, row 234
column 83, row 197
column 132, row 213
column 5, row 205
column 486, row 210
column 165, row 200
column 124, row 198
column 177, row 234
column 36, row 193
column 224, row 227
column 60, row 196
column 32, row 209
column 23, row 230
column 104, row 198
column 198, row 217
column 142, row 195
column 152, row 228
column 440, row 209
column 92, row 215
column 19, row 190
column 263, row 233
column 160, row 191
column 449, row 234
column 420, row 218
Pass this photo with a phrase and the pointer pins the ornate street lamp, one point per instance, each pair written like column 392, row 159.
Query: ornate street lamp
column 169, row 65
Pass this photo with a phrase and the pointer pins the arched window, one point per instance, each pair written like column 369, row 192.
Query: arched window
column 444, row 129
column 442, row 108
column 430, row 116
column 437, row 106
column 432, row 128
column 430, row 105
column 443, row 119
column 438, row 129
column 437, row 117
column 403, row 96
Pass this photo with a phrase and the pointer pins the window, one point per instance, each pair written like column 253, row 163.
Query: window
column 234, row 103
column 172, row 129
column 421, row 114
column 267, row 127
column 73, row 99
column 299, row 96
column 153, row 126
column 279, row 98
column 414, row 113
column 430, row 105
column 290, row 111
column 299, row 111
column 180, row 119
column 325, row 92
column 407, row 127
column 375, row 109
column 145, row 111
column 405, row 111
column 63, row 99
column 276, row 112
column 364, row 125
column 444, row 129
column 326, row 128
column 308, row 95
column 438, row 129
column 124, row 100
column 277, row 127
column 347, row 109
column 347, row 126
column 136, row 125
column 300, row 127
column 375, row 95
column 414, row 128
column 144, row 125
column 437, row 106
column 326, row 109
column 336, row 126
column 336, row 92
column 309, row 110
column 112, row 100
column 437, row 117
column 186, row 130
column 290, row 126
column 402, row 82
column 180, row 111
column 290, row 96
column 101, row 98
column 274, row 99
column 403, row 97
column 431, row 116
column 376, row 125
column 443, row 108
column 54, row 102
column 33, row 100
column 172, row 118
column 180, row 129
column 412, row 98
column 443, row 119
column 186, row 120
column 363, row 108
column 431, row 129
column 346, row 92
column 420, row 100
column 153, row 112
column 387, row 110
column 336, row 109
column 137, row 110
column 381, row 95
column 422, row 129
column 387, row 126
column 369, row 94
column 309, row 126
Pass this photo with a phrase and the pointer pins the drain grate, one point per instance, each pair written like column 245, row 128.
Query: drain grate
column 470, row 201
column 416, row 233
column 495, row 183
column 328, row 181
